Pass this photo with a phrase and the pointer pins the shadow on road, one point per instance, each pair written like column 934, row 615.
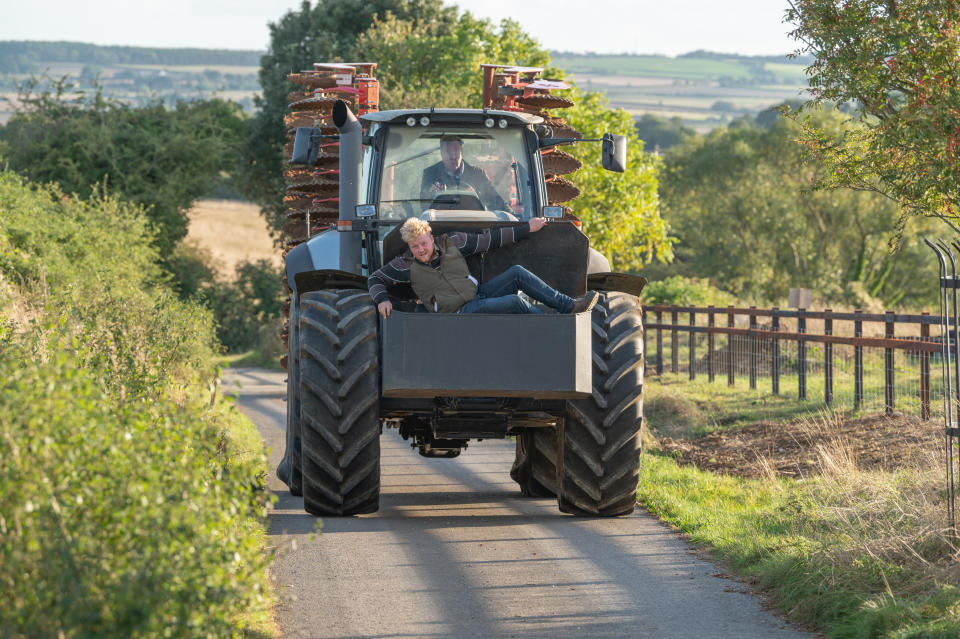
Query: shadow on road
column 469, row 535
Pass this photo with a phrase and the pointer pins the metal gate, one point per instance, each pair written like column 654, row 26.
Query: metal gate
column 950, row 362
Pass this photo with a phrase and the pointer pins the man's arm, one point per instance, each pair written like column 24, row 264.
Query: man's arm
column 429, row 183
column 393, row 272
column 471, row 243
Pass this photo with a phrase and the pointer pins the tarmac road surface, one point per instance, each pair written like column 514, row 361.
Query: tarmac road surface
column 455, row 551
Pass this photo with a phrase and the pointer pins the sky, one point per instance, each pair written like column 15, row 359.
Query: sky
column 748, row 27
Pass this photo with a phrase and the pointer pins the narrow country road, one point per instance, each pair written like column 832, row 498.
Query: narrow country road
column 455, row 551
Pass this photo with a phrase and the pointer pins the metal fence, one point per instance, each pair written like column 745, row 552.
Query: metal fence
column 950, row 364
column 852, row 360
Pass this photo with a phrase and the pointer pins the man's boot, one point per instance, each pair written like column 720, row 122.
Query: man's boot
column 585, row 302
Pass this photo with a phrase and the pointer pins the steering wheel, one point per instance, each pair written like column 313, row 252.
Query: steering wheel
column 464, row 199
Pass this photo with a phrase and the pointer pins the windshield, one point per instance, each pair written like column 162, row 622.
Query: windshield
column 454, row 168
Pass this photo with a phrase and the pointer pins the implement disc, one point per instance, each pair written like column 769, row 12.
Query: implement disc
column 559, row 163
column 545, row 101
column 324, row 81
column 314, row 189
column 314, row 104
column 561, row 190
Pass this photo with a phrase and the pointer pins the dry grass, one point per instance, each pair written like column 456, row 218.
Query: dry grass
column 15, row 307
column 233, row 232
column 670, row 413
column 896, row 517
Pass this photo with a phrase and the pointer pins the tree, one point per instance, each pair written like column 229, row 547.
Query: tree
column 160, row 158
column 661, row 133
column 739, row 201
column 422, row 65
column 327, row 31
column 897, row 60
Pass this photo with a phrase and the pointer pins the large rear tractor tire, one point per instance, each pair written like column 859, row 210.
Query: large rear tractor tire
column 535, row 466
column 289, row 469
column 600, row 438
column 340, row 397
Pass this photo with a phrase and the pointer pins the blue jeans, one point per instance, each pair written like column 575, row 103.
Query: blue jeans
column 499, row 295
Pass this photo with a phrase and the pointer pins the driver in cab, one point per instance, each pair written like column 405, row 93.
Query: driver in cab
column 452, row 173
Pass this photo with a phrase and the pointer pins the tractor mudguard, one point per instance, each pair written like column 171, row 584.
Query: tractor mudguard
column 623, row 282
column 307, row 281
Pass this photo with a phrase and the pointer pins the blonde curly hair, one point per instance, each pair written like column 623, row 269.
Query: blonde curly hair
column 414, row 227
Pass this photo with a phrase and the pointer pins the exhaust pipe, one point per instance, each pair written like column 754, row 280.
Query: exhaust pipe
column 351, row 150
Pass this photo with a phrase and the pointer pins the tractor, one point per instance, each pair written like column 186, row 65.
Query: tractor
column 567, row 387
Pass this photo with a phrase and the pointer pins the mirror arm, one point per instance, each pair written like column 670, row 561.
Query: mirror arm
column 546, row 143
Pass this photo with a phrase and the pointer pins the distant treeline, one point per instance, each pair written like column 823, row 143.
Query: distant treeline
column 700, row 54
column 26, row 57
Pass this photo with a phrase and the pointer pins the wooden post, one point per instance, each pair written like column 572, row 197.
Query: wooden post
column 730, row 347
column 673, row 342
column 753, row 349
column 660, row 343
column 925, row 372
column 692, row 348
column 828, row 361
column 801, row 355
column 710, row 345
column 643, row 315
column 888, row 386
column 857, row 364
column 775, row 354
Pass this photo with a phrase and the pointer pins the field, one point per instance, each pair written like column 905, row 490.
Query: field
column 704, row 90
column 158, row 75
column 233, row 232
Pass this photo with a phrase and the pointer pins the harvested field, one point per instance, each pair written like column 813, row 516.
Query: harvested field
column 232, row 232
column 792, row 449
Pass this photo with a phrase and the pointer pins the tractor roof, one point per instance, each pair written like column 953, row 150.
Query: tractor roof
column 451, row 116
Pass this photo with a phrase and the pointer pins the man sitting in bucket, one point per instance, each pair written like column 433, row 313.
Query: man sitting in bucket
column 436, row 269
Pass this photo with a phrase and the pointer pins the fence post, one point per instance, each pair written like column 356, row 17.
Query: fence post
column 730, row 347
column 659, row 343
column 753, row 349
column 925, row 372
column 673, row 342
column 801, row 355
column 643, row 315
column 857, row 364
column 775, row 353
column 692, row 348
column 828, row 360
column 888, row 365
column 710, row 345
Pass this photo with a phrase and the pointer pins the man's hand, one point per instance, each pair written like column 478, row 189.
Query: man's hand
column 384, row 308
column 536, row 223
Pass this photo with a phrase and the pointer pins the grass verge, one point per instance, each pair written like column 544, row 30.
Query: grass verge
column 859, row 554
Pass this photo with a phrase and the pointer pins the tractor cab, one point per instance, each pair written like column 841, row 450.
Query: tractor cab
column 453, row 160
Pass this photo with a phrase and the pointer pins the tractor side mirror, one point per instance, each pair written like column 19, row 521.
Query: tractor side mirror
column 306, row 145
column 307, row 142
column 613, row 155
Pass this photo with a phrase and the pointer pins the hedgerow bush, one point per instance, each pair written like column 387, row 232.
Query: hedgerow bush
column 246, row 305
column 126, row 507
column 685, row 291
